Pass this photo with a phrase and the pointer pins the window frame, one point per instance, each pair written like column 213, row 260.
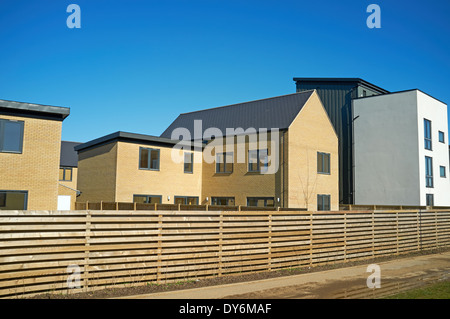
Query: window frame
column 321, row 205
column 224, row 154
column 192, row 163
column 25, row 193
column 427, row 196
column 444, row 170
column 443, row 137
column 149, row 160
column 2, row 135
column 429, row 180
column 186, row 199
column 213, row 198
column 259, row 168
column 147, row 197
column 320, row 164
column 64, row 174
column 427, row 130
column 261, row 198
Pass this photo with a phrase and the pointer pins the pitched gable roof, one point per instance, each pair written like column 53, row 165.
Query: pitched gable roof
column 276, row 112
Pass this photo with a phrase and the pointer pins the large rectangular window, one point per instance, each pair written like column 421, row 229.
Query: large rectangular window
column 147, row 199
column 13, row 200
column 258, row 161
column 11, row 136
column 149, row 158
column 186, row 200
column 428, row 171
column 427, row 133
column 224, row 162
column 323, row 202
column 188, row 162
column 65, row 174
column 260, row 201
column 222, row 201
column 323, row 163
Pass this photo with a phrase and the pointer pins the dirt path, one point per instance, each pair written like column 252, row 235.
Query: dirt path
column 350, row 282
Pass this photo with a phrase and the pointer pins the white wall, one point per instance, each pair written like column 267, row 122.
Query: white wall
column 385, row 150
column 436, row 112
column 390, row 153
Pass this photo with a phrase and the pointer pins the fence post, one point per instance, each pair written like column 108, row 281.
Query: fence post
column 101, row 205
column 436, row 228
column 87, row 250
column 310, row 238
column 220, row 242
column 418, row 230
column 373, row 233
column 397, row 231
column 345, row 236
column 87, row 205
column 270, row 241
column 158, row 267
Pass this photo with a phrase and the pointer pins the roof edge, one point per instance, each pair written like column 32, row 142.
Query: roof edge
column 357, row 80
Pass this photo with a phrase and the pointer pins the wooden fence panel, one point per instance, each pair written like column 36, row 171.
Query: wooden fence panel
column 43, row 251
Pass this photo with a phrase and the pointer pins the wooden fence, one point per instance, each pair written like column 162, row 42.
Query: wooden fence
column 45, row 251
column 179, row 207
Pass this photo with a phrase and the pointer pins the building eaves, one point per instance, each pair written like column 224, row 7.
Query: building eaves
column 31, row 109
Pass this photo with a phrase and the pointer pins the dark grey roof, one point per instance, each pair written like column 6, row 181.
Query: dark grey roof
column 34, row 109
column 276, row 112
column 342, row 80
column 129, row 137
column 68, row 157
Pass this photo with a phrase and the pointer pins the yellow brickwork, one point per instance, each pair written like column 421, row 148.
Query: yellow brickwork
column 36, row 169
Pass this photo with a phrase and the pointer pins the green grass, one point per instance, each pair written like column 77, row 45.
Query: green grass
column 440, row 290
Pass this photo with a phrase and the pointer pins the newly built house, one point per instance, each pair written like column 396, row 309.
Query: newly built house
column 275, row 152
column 30, row 140
column 68, row 176
column 401, row 153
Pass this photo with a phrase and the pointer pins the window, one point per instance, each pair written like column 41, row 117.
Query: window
column 222, row 201
column 188, row 162
column 427, row 133
column 442, row 171
column 148, row 158
column 260, row 201
column 11, row 136
column 258, row 160
column 364, row 93
column 323, row 202
column 13, row 200
column 428, row 171
column 65, row 174
column 430, row 199
column 441, row 137
column 323, row 163
column 186, row 200
column 147, row 199
column 224, row 162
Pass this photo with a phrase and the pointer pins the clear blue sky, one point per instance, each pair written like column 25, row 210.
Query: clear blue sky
column 135, row 65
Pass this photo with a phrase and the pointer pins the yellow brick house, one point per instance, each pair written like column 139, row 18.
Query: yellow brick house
column 275, row 152
column 30, row 137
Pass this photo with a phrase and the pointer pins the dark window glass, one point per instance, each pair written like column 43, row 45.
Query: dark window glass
column 441, row 137
column 188, row 162
column 148, row 158
column 186, row 200
column 11, row 136
column 323, row 163
column 428, row 171
column 427, row 133
column 323, row 202
column 13, row 200
column 430, row 200
column 222, row 201
column 147, row 199
column 442, row 171
column 260, row 201
column 224, row 162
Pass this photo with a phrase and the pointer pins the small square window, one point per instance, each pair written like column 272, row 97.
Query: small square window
column 11, row 136
column 224, row 162
column 149, row 159
column 323, row 202
column 323, row 163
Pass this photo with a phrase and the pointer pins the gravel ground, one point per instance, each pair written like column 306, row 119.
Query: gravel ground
column 153, row 288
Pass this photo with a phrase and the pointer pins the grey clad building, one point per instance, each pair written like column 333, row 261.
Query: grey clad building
column 337, row 95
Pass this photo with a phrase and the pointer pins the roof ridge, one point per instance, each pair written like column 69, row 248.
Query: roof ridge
column 259, row 100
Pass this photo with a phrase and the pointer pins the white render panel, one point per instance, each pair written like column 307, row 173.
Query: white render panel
column 435, row 111
column 386, row 154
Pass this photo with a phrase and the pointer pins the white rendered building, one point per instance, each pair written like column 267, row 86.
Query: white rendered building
column 401, row 152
